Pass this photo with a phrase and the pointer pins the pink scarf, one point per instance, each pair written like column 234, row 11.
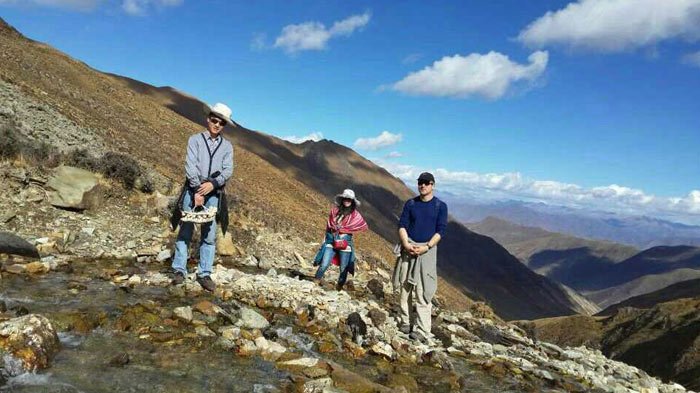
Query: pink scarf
column 348, row 224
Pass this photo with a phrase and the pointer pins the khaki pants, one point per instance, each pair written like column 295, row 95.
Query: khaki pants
column 413, row 295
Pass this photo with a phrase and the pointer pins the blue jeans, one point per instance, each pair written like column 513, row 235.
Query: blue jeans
column 326, row 262
column 207, row 241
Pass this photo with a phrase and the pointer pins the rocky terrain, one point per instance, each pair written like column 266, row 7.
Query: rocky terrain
column 101, row 282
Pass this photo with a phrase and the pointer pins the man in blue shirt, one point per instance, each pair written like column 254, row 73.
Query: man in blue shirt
column 421, row 226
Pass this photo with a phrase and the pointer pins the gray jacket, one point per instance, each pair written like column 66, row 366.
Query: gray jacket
column 422, row 267
column 202, row 161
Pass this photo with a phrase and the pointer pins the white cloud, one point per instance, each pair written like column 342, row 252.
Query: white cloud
column 692, row 59
column 394, row 154
column 489, row 76
column 615, row 25
column 140, row 7
column 314, row 136
column 614, row 197
column 384, row 139
column 83, row 5
column 315, row 35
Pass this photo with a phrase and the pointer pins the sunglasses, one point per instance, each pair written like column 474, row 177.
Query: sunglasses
column 216, row 121
column 424, row 183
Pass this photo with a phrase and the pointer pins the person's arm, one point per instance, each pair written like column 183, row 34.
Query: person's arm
column 226, row 169
column 191, row 163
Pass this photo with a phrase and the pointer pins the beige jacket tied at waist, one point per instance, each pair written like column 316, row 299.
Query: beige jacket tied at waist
column 422, row 267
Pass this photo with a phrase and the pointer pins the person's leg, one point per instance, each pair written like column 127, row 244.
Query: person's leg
column 328, row 253
column 207, row 243
column 423, row 311
column 405, row 308
column 183, row 239
column 344, row 265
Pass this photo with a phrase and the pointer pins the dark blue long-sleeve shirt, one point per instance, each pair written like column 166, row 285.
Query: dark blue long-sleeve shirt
column 422, row 220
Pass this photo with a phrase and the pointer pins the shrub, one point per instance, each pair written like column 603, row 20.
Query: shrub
column 120, row 167
column 82, row 158
column 10, row 141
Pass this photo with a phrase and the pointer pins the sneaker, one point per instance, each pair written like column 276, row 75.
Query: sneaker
column 207, row 283
column 178, row 278
column 405, row 328
column 417, row 336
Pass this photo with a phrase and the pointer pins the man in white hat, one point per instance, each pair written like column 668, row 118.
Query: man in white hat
column 208, row 166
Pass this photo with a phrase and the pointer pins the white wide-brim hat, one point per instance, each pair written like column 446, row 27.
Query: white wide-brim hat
column 222, row 111
column 349, row 194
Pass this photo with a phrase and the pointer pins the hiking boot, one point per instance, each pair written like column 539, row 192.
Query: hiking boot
column 338, row 287
column 405, row 328
column 178, row 278
column 207, row 283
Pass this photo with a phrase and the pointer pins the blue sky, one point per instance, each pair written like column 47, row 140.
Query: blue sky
column 590, row 104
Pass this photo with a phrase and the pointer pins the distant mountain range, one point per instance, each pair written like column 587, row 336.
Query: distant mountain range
column 603, row 271
column 639, row 231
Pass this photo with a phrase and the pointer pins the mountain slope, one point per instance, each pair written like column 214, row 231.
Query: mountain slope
column 566, row 259
column 286, row 186
column 684, row 289
column 663, row 340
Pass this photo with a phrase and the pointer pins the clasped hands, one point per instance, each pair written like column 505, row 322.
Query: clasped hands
column 204, row 189
column 415, row 250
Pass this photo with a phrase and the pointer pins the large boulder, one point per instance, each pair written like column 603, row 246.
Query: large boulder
column 30, row 339
column 74, row 188
column 13, row 244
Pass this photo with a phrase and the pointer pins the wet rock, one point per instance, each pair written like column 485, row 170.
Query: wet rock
column 318, row 385
column 74, row 188
column 207, row 308
column 383, row 349
column 17, row 268
column 203, row 331
column 120, row 360
column 15, row 245
column 31, row 339
column 250, row 319
column 354, row 383
column 37, row 268
column 438, row 359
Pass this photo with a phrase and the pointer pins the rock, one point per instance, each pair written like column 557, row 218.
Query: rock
column 31, row 339
column 300, row 363
column 37, row 268
column 203, row 331
column 88, row 230
column 377, row 316
column 318, row 385
column 249, row 319
column 120, row 360
column 184, row 313
column 224, row 244
column 230, row 332
column 376, row 288
column 207, row 308
column 354, row 383
column 74, row 188
column 16, row 268
column 382, row 349
column 273, row 351
column 15, row 245
column 148, row 252
column 163, row 256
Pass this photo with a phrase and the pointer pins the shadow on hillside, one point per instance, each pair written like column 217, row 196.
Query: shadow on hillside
column 575, row 267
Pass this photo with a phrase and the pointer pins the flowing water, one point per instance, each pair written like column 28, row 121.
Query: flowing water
column 89, row 313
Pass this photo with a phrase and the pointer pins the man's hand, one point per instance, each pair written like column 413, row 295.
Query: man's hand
column 205, row 188
column 198, row 200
